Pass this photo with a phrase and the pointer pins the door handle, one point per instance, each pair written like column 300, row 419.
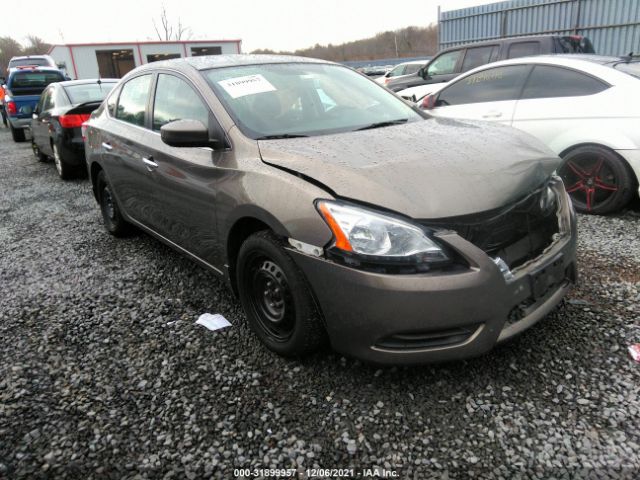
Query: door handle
column 493, row 114
column 149, row 163
column 106, row 146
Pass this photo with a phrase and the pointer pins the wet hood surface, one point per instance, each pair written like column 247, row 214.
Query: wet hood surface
column 426, row 169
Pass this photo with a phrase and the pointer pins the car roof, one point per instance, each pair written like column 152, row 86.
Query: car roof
column 207, row 62
column 24, row 57
column 34, row 68
column 70, row 83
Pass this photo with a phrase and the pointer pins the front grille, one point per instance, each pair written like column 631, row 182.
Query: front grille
column 517, row 233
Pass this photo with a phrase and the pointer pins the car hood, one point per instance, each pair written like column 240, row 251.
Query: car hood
column 426, row 169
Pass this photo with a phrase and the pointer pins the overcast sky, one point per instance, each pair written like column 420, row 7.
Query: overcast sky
column 275, row 24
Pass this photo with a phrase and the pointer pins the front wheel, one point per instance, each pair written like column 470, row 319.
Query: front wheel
column 113, row 220
column 597, row 179
column 276, row 297
column 37, row 152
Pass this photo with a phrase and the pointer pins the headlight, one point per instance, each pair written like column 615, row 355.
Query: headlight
column 373, row 236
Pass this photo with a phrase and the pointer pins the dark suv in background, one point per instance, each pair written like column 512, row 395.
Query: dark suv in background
column 453, row 61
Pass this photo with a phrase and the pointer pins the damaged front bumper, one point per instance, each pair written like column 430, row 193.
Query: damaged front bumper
column 441, row 315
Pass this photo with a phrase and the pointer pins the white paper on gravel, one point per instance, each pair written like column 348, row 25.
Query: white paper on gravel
column 249, row 85
column 213, row 322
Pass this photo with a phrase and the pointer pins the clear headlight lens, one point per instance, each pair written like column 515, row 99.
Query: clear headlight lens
column 372, row 234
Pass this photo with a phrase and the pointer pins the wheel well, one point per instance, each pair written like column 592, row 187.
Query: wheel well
column 624, row 162
column 240, row 231
column 95, row 170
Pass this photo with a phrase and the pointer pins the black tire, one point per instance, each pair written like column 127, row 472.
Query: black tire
column 37, row 152
column 65, row 171
column 115, row 224
column 17, row 134
column 597, row 179
column 276, row 297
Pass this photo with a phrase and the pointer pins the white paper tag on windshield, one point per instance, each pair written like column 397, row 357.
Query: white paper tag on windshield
column 249, row 85
column 213, row 322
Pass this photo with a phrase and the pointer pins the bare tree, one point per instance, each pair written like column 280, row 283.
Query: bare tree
column 167, row 31
column 8, row 48
column 36, row 46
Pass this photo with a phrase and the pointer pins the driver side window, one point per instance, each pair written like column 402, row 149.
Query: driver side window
column 444, row 64
column 176, row 100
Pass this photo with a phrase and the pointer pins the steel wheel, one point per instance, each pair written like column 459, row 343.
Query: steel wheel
column 596, row 179
column 271, row 299
column 113, row 221
column 276, row 297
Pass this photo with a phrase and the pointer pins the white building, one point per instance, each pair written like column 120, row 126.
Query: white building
column 114, row 60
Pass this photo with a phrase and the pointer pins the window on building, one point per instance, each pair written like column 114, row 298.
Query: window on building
column 156, row 57
column 490, row 85
column 133, row 100
column 177, row 100
column 198, row 51
column 115, row 63
column 551, row 82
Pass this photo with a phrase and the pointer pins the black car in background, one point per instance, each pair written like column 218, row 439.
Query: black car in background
column 57, row 120
column 453, row 61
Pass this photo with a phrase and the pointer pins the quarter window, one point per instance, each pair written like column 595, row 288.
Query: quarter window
column 491, row 85
column 550, row 82
column 523, row 49
column 177, row 100
column 477, row 56
column 444, row 64
column 133, row 100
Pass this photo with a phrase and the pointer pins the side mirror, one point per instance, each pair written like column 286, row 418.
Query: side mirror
column 34, row 115
column 424, row 72
column 187, row 133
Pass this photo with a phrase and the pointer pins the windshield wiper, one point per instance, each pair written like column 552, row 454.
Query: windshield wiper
column 387, row 123
column 281, row 135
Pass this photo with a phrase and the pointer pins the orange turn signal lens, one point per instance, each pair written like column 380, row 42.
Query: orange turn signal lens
column 342, row 242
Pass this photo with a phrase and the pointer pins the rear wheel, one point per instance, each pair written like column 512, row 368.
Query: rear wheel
column 17, row 134
column 276, row 297
column 113, row 220
column 65, row 171
column 597, row 179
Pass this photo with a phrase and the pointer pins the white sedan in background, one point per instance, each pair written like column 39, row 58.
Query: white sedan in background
column 586, row 108
column 401, row 70
column 416, row 94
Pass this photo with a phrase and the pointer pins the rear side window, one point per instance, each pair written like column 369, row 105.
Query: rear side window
column 445, row 64
column 133, row 100
column 523, row 49
column 177, row 100
column 550, row 82
column 491, row 85
column 477, row 56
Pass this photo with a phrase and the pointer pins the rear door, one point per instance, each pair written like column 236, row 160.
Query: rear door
column 489, row 95
column 185, row 178
column 124, row 150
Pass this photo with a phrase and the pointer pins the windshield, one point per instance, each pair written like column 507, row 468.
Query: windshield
column 33, row 83
column 632, row 68
column 304, row 99
column 88, row 92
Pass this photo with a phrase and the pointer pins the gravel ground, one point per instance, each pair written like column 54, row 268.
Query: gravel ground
column 103, row 373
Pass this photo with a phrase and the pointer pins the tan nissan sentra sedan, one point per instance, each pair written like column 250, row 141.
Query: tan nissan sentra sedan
column 335, row 210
